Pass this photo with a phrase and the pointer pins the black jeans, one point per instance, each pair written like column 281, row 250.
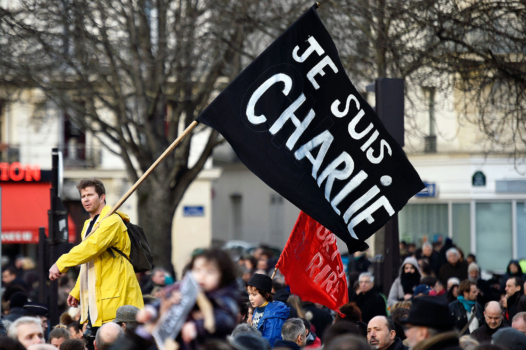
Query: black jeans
column 89, row 335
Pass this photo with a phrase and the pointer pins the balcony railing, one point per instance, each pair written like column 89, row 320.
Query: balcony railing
column 74, row 156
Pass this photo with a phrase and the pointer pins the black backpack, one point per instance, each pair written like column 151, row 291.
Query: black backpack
column 140, row 255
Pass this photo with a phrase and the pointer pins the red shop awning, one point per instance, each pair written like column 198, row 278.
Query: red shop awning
column 24, row 210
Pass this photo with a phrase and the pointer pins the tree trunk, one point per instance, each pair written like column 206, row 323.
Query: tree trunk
column 157, row 223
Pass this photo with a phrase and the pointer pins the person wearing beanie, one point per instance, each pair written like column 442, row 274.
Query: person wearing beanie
column 404, row 285
column 16, row 306
column 269, row 316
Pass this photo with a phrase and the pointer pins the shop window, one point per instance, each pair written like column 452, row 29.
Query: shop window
column 494, row 235
column 419, row 221
column 521, row 230
column 462, row 226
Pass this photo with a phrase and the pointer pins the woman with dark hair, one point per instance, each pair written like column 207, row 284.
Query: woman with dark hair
column 406, row 282
column 351, row 311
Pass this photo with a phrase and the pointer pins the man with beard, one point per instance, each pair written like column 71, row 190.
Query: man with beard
column 381, row 334
column 493, row 318
column 368, row 300
column 513, row 295
column 466, row 311
column 404, row 285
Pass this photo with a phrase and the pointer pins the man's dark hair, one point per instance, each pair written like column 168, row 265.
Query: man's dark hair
column 390, row 324
column 278, row 284
column 266, row 295
column 340, row 328
column 429, row 281
column 224, row 263
column 76, row 326
column 92, row 182
column 72, row 344
column 465, row 287
column 471, row 255
column 518, row 282
column 11, row 269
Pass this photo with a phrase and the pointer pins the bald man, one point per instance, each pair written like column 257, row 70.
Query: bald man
column 494, row 322
column 519, row 322
column 108, row 335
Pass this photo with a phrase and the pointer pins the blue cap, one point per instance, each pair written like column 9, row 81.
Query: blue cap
column 422, row 289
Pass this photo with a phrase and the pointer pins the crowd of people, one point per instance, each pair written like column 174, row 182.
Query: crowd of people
column 438, row 301
column 430, row 306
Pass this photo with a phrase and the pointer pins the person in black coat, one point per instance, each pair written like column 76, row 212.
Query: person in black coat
column 466, row 307
column 513, row 295
column 319, row 318
column 453, row 268
column 493, row 322
column 370, row 302
column 432, row 256
column 513, row 270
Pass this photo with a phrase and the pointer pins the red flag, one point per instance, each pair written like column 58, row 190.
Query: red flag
column 312, row 265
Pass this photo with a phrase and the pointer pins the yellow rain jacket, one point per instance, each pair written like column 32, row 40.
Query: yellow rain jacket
column 116, row 283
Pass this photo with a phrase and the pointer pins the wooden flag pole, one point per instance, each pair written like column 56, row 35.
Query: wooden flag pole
column 274, row 273
column 174, row 144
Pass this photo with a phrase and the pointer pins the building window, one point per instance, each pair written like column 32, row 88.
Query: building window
column 419, row 221
column 431, row 139
column 521, row 230
column 493, row 235
column 461, row 225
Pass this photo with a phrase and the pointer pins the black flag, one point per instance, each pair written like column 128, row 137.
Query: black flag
column 295, row 120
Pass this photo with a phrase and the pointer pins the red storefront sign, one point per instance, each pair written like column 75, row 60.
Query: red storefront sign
column 24, row 211
column 18, row 172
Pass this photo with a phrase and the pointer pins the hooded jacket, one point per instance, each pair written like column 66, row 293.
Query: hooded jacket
column 396, row 293
column 275, row 314
column 115, row 283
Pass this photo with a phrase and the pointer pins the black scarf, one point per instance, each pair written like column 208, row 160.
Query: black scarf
column 409, row 281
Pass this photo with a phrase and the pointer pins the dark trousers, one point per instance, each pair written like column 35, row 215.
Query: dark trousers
column 89, row 335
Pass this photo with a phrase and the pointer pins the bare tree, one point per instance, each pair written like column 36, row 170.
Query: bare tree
column 135, row 74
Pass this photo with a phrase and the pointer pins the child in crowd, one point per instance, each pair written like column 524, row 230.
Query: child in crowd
column 214, row 271
column 269, row 315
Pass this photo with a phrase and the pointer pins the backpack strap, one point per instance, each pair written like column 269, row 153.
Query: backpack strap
column 111, row 249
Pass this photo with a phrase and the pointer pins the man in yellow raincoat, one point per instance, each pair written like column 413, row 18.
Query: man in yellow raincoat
column 106, row 281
